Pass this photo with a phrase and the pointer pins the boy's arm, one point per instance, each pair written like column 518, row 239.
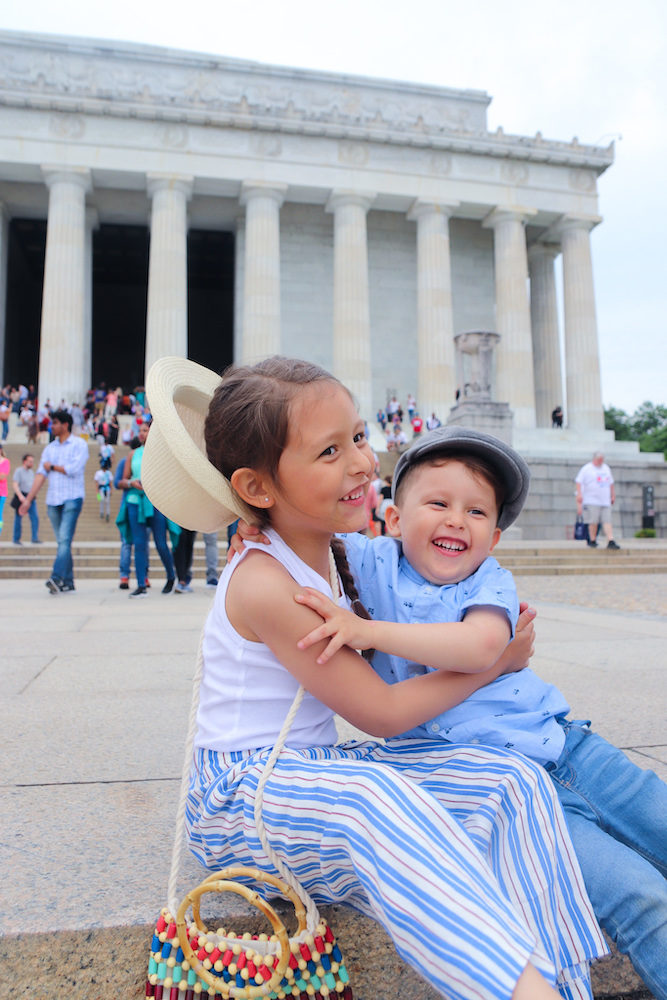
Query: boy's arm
column 468, row 646
column 267, row 613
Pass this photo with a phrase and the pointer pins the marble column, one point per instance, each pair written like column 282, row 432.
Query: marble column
column 544, row 323
column 351, row 312
column 63, row 349
column 582, row 360
column 4, row 261
column 167, row 309
column 92, row 223
column 514, row 372
column 261, row 279
column 436, row 377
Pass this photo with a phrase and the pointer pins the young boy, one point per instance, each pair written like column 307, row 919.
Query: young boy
column 453, row 492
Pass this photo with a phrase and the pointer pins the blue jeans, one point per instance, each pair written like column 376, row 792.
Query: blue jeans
column 63, row 520
column 617, row 816
column 140, row 542
column 125, row 561
column 211, row 549
column 34, row 523
column 159, row 526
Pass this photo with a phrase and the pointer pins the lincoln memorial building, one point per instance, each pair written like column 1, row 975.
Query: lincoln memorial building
column 160, row 202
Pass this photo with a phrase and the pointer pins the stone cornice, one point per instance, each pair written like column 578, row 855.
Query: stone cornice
column 153, row 84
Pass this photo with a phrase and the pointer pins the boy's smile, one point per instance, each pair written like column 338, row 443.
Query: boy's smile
column 446, row 519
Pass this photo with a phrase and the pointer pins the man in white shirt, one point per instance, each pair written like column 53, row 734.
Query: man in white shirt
column 62, row 462
column 595, row 497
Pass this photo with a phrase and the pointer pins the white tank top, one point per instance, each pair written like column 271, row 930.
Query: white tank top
column 246, row 692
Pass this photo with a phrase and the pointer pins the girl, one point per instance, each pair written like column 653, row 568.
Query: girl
column 459, row 852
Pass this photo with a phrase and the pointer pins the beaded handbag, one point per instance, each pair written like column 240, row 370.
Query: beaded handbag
column 187, row 960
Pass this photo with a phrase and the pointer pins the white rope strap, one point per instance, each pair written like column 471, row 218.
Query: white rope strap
column 173, row 901
column 179, row 835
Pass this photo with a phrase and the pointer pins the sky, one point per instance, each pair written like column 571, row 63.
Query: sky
column 586, row 68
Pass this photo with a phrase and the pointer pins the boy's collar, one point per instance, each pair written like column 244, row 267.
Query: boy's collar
column 412, row 574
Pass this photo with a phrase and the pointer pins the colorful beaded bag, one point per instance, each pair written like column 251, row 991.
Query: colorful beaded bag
column 188, row 961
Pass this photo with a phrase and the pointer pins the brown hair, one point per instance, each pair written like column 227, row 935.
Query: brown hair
column 475, row 463
column 248, row 424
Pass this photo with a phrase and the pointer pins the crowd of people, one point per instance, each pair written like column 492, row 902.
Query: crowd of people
column 95, row 416
column 391, row 419
column 62, row 466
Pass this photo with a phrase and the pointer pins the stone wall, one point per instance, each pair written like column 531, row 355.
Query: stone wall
column 550, row 510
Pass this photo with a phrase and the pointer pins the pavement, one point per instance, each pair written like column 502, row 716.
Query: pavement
column 97, row 690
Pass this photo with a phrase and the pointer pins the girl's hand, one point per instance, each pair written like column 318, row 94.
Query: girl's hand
column 343, row 626
column 518, row 652
column 245, row 532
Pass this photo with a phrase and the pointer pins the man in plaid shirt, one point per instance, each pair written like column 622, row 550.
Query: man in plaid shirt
column 62, row 463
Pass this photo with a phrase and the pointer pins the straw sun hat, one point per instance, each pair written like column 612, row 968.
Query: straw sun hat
column 176, row 474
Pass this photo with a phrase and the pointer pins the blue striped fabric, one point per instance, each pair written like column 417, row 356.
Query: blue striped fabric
column 460, row 852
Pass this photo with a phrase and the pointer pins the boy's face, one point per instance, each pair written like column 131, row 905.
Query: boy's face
column 446, row 520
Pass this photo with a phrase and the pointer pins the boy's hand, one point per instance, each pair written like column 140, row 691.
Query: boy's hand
column 518, row 652
column 343, row 627
column 245, row 532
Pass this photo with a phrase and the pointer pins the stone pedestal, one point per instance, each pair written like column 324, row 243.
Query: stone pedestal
column 485, row 415
column 63, row 349
column 435, row 323
column 167, row 310
column 475, row 407
column 261, row 284
column 351, row 316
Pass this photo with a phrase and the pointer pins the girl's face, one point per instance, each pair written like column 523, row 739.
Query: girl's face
column 326, row 467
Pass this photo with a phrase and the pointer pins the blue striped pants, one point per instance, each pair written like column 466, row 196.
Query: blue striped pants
column 460, row 852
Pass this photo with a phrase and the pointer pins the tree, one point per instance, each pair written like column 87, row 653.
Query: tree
column 647, row 418
column 618, row 421
column 647, row 425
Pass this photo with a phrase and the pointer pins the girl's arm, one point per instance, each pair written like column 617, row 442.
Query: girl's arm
column 469, row 646
column 261, row 607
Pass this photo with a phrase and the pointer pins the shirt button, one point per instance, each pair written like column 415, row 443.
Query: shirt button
column 435, row 728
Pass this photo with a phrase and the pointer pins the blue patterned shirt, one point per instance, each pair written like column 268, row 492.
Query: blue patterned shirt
column 517, row 711
column 72, row 454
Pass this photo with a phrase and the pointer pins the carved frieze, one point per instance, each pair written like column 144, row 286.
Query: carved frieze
column 67, row 126
column 353, row 153
column 514, row 172
column 76, row 77
column 581, row 180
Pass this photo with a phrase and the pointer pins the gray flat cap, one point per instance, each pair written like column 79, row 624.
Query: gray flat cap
column 451, row 440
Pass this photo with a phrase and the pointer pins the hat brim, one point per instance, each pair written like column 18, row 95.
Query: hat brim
column 175, row 472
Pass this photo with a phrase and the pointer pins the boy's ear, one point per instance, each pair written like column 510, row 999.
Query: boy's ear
column 392, row 520
column 496, row 538
column 251, row 487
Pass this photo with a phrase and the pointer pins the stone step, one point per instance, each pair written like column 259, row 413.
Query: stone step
column 99, row 559
column 112, row 961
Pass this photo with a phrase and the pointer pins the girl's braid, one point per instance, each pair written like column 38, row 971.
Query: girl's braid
column 349, row 585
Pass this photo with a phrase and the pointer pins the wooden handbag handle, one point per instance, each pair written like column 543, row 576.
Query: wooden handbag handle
column 223, row 881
